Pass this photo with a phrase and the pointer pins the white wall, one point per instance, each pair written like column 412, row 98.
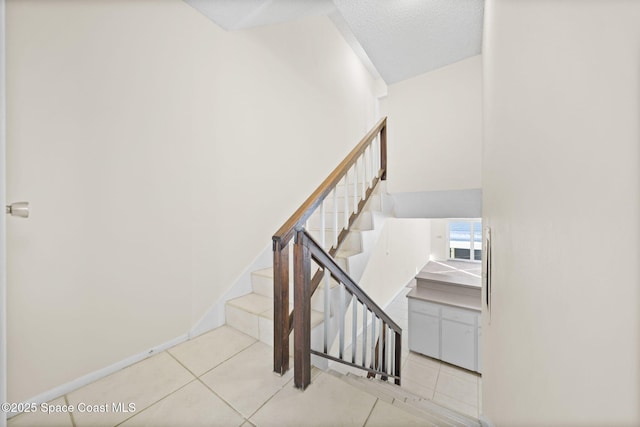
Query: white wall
column 439, row 240
column 400, row 253
column 159, row 154
column 435, row 125
column 3, row 257
column 560, row 160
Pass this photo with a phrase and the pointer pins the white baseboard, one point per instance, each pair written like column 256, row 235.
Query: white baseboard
column 66, row 388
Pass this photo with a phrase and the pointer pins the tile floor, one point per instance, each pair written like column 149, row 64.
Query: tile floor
column 225, row 378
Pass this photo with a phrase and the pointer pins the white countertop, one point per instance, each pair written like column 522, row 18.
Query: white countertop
column 453, row 283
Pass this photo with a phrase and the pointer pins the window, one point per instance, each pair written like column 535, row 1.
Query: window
column 465, row 240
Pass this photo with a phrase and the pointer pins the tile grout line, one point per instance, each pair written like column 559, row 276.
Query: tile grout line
column 181, row 364
column 225, row 360
column 222, row 399
column 153, row 403
column 164, row 397
column 272, row 396
column 199, row 379
column 371, row 412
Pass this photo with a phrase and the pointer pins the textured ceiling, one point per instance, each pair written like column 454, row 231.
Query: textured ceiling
column 405, row 38
column 402, row 38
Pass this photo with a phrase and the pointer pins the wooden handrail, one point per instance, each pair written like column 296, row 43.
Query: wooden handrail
column 285, row 233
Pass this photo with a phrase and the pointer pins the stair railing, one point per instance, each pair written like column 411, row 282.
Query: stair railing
column 349, row 187
column 380, row 337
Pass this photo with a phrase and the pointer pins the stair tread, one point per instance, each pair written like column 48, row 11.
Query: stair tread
column 406, row 399
column 347, row 253
column 263, row 306
column 264, row 272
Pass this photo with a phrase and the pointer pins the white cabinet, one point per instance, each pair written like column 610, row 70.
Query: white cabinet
column 444, row 332
column 459, row 344
column 479, row 348
column 426, row 338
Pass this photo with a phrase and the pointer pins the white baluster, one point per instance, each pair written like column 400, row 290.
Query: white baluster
column 354, row 329
column 371, row 162
column 383, row 328
column 373, row 340
column 341, row 315
column 346, row 201
column 392, row 358
column 377, row 154
column 322, row 226
column 364, row 173
column 327, row 308
column 355, row 187
column 335, row 218
column 365, row 326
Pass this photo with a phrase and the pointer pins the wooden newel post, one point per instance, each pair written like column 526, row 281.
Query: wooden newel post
column 302, row 310
column 280, row 307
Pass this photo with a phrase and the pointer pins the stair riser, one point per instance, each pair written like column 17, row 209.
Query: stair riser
column 263, row 285
column 352, row 242
column 364, row 222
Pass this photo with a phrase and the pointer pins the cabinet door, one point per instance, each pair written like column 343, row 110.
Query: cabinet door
column 424, row 334
column 458, row 344
column 479, row 350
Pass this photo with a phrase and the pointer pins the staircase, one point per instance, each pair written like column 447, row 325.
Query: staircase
column 252, row 314
column 335, row 323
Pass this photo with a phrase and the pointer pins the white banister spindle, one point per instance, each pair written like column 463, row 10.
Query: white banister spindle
column 335, row 218
column 327, row 308
column 355, row 187
column 373, row 340
column 390, row 351
column 366, row 166
column 354, row 329
column 341, row 321
column 364, row 172
column 346, row 201
column 383, row 328
column 322, row 226
column 341, row 314
column 365, row 326
column 371, row 162
column 377, row 154
column 392, row 359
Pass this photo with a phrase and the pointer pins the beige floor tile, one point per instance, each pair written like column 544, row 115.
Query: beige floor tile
column 207, row 351
column 386, row 415
column 456, row 405
column 247, row 380
column 457, row 388
column 193, row 405
column 328, row 401
column 141, row 384
column 44, row 418
column 424, row 375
